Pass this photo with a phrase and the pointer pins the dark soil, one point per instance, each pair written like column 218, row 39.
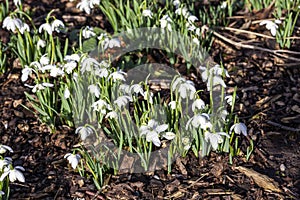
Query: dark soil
column 269, row 100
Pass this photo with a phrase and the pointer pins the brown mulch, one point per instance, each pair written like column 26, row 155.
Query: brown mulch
column 269, row 100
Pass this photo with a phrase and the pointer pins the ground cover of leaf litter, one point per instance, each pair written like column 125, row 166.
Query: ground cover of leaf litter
column 269, row 104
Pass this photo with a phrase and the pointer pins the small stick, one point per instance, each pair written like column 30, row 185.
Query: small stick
column 283, row 126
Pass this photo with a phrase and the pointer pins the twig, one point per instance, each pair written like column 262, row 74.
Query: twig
column 287, row 128
column 245, row 31
column 247, row 46
column 95, row 195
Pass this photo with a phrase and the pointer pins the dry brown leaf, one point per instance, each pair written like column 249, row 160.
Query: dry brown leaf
column 261, row 180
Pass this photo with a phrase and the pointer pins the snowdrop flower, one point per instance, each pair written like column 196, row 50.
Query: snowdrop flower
column 101, row 72
column 152, row 131
column 5, row 162
column 26, row 72
column 111, row 115
column 56, row 71
column 2, row 193
column 101, row 106
column 14, row 24
column 214, row 138
column 200, row 120
column 165, row 21
column 224, row 114
column 147, row 13
column 224, row 5
column 39, row 86
column 198, row 104
column 169, row 135
column 67, row 93
column 239, row 128
column 84, row 131
column 124, row 88
column 72, row 57
column 46, row 27
column 271, row 26
column 17, row 2
column 94, row 89
column 228, row 99
column 176, row 3
column 122, row 100
column 36, row 65
column 136, row 88
column 57, row 25
column 196, row 41
column 182, row 11
column 213, row 76
column 44, row 60
column 110, row 43
column 14, row 174
column 41, row 44
column 186, row 142
column 184, row 87
column 73, row 159
column 118, row 75
column 192, row 19
column 5, row 148
column 88, row 32
column 87, row 5
column 172, row 104
column 70, row 66
column 87, row 64
column 148, row 96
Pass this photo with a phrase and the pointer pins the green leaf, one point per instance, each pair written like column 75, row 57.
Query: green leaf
column 89, row 45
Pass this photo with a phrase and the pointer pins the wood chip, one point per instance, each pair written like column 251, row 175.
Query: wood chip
column 261, row 180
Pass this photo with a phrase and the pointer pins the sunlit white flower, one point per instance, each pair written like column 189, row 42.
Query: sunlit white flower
column 136, row 89
column 26, row 72
column 118, row 75
column 17, row 2
column 36, row 65
column 46, row 27
column 110, row 43
column 87, row 5
column 5, row 148
column 39, row 86
column 184, row 87
column 122, row 100
column 124, row 88
column 111, row 115
column 101, row 106
column 84, row 131
column 41, row 44
column 70, row 66
column 67, row 93
column 87, row 64
column 198, row 104
column 229, row 99
column 88, row 32
column 182, row 11
column 147, row 13
column 72, row 57
column 173, row 105
column 239, row 128
column 14, row 24
column 270, row 25
column 5, row 162
column 73, row 159
column 56, row 71
column 224, row 114
column 2, row 193
column 214, row 138
column 213, row 76
column 168, row 135
column 94, row 89
column 44, row 60
column 186, row 143
column 14, row 174
column 166, row 21
column 58, row 26
column 196, row 41
column 192, row 19
column 200, row 120
column 101, row 72
column 224, row 5
column 152, row 131
column 148, row 96
column 176, row 3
